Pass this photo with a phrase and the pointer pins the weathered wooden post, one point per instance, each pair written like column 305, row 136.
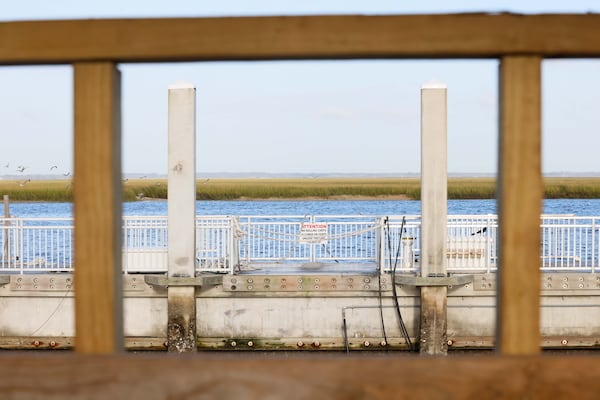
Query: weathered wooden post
column 434, row 218
column 181, row 329
column 520, row 188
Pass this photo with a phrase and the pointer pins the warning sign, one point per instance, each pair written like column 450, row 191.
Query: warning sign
column 313, row 232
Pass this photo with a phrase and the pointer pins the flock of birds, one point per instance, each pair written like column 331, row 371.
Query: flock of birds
column 22, row 168
column 26, row 179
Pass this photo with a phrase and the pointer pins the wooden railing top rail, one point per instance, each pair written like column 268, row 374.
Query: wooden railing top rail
column 300, row 37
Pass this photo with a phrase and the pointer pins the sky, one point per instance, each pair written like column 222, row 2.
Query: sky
column 298, row 117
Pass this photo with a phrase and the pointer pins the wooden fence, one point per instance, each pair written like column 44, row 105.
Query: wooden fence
column 94, row 47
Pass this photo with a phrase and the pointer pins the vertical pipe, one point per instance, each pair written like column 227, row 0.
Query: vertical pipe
column 181, row 328
column 434, row 232
column 97, row 208
column 520, row 192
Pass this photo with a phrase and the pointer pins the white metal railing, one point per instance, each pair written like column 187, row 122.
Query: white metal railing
column 224, row 244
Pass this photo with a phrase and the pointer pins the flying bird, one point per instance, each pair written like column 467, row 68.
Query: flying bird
column 24, row 182
column 21, row 168
column 66, row 174
column 53, row 167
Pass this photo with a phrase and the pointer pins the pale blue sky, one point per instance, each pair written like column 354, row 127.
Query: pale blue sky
column 300, row 116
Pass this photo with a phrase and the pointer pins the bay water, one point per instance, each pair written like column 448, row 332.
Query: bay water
column 578, row 207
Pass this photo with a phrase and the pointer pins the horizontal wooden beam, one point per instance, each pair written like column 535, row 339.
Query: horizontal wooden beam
column 71, row 376
column 307, row 37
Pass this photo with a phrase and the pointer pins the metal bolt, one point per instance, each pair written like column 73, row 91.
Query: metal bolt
column 383, row 343
column 233, row 280
column 565, row 286
column 367, row 287
column 267, row 280
column 300, row 343
column 333, row 286
column 367, row 280
column 581, row 278
column 233, row 343
column 564, row 342
column 316, row 343
column 299, row 287
column 450, row 342
column 36, row 343
column 299, row 280
column 35, row 280
column 249, row 280
column 565, row 279
column 19, row 280
column 52, row 343
column 367, row 343
column 250, row 343
column 580, row 286
column 317, row 287
column 233, row 287
column 250, row 287
column 317, row 280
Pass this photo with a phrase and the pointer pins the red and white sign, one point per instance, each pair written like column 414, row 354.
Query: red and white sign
column 313, row 232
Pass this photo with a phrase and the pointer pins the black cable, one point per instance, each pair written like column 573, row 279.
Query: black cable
column 403, row 329
column 381, row 303
column 346, row 335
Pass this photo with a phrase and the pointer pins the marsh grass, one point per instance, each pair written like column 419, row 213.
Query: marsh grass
column 298, row 188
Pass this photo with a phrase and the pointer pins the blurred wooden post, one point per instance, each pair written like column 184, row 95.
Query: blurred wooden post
column 97, row 208
column 181, row 329
column 519, row 205
column 434, row 210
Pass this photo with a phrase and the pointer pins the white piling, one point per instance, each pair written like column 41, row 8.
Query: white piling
column 434, row 198
column 181, row 216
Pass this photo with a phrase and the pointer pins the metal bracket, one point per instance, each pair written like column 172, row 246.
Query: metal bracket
column 4, row 280
column 454, row 280
column 201, row 280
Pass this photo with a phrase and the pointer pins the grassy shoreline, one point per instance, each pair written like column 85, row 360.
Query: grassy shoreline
column 301, row 188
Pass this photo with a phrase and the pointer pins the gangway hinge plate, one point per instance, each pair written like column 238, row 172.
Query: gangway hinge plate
column 452, row 280
column 4, row 280
column 200, row 280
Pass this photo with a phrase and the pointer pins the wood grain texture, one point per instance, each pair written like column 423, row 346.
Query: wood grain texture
column 299, row 37
column 97, row 208
column 149, row 377
column 520, row 191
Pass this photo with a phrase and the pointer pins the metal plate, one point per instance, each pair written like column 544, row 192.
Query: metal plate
column 303, row 283
column 64, row 282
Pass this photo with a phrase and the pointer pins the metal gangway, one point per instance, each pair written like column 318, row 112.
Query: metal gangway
column 233, row 244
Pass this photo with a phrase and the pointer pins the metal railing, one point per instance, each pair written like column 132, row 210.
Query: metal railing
column 227, row 244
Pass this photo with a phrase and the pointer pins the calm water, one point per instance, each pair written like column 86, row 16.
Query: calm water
column 584, row 207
